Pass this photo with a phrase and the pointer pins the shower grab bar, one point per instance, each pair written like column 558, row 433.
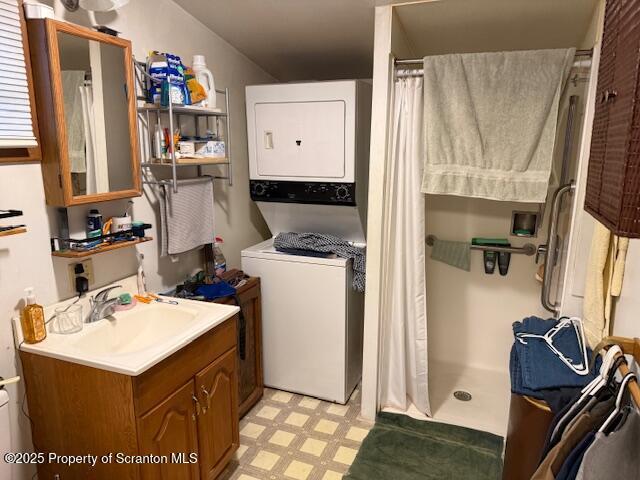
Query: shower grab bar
column 528, row 249
column 550, row 249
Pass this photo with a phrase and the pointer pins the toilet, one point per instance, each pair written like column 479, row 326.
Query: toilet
column 5, row 433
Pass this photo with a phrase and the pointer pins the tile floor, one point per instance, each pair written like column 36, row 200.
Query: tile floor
column 288, row 436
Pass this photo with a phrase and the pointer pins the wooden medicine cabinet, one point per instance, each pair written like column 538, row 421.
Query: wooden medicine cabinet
column 85, row 97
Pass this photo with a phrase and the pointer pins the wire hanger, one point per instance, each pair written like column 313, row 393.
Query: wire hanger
column 581, row 367
column 623, row 385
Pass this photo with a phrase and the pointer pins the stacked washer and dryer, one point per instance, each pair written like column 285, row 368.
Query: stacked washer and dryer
column 308, row 170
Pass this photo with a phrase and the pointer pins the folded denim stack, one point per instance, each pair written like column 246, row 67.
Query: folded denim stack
column 540, row 372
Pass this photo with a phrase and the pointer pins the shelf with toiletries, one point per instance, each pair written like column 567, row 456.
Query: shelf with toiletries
column 101, row 236
column 184, row 110
column 175, row 96
column 105, row 247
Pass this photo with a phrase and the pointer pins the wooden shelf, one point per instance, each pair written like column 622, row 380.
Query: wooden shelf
column 183, row 110
column 13, row 231
column 102, row 249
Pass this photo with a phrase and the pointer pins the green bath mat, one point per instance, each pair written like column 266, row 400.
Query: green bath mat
column 402, row 448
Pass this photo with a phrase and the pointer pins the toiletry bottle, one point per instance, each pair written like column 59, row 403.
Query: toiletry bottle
column 32, row 319
column 94, row 227
column 159, row 146
column 220, row 263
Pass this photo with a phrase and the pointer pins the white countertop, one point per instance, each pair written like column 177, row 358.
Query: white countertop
column 131, row 341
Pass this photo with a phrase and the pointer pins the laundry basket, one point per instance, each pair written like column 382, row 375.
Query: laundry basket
column 529, row 421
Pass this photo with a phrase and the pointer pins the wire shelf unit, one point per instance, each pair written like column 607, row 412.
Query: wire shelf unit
column 175, row 113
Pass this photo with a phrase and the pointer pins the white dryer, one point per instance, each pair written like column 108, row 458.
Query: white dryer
column 308, row 169
column 309, row 155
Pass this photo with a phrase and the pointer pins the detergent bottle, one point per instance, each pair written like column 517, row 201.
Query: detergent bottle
column 205, row 78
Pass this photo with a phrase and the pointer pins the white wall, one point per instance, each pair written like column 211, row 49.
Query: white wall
column 25, row 260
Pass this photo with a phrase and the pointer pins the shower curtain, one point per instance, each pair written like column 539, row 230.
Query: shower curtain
column 88, row 124
column 403, row 372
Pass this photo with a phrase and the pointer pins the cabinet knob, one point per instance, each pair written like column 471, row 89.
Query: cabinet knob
column 608, row 95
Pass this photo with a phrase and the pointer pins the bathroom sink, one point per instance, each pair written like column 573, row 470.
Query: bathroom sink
column 132, row 341
column 136, row 330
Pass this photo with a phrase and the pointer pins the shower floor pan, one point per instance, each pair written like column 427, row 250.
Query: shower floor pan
column 488, row 408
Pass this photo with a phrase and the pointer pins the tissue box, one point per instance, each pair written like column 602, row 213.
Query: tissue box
column 211, row 149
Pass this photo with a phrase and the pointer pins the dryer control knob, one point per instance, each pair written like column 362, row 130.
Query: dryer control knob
column 342, row 193
column 259, row 189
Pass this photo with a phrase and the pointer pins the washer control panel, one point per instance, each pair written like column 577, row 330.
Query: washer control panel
column 303, row 192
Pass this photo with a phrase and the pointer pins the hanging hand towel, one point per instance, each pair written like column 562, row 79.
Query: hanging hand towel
column 456, row 254
column 490, row 122
column 187, row 216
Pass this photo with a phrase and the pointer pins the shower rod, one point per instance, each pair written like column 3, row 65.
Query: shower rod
column 528, row 249
column 419, row 61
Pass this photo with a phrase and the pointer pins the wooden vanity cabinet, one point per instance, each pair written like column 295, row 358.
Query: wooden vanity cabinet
column 184, row 410
column 168, row 429
column 250, row 373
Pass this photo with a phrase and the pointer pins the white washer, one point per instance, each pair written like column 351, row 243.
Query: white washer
column 312, row 322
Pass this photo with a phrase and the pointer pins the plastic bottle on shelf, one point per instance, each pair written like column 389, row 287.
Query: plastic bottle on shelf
column 205, row 78
column 220, row 263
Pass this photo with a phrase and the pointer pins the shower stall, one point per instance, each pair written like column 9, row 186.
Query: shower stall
column 469, row 314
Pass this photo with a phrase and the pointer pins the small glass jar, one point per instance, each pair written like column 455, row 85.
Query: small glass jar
column 68, row 319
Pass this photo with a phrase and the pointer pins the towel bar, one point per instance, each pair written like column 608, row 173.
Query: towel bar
column 527, row 249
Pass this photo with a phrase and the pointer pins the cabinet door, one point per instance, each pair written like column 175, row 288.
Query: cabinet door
column 170, row 429
column 251, row 384
column 606, row 77
column 218, row 437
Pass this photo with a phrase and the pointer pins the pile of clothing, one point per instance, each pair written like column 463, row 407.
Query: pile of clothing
column 595, row 432
column 595, row 436
column 319, row 244
column 555, row 371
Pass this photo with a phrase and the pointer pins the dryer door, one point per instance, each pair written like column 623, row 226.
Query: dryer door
column 301, row 139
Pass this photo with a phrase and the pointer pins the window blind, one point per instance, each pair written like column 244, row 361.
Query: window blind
column 16, row 127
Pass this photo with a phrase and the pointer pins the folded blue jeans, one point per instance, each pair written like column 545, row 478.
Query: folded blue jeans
column 540, row 367
column 515, row 372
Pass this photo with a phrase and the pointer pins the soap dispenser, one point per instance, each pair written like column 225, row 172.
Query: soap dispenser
column 32, row 319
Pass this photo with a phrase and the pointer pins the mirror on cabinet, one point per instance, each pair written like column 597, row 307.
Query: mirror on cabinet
column 90, row 144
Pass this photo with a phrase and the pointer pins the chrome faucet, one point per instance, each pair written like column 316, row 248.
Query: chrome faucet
column 102, row 305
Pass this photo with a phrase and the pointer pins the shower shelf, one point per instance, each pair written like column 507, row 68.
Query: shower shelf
column 528, row 249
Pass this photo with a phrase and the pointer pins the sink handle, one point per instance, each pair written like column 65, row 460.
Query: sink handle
column 197, row 402
column 207, row 396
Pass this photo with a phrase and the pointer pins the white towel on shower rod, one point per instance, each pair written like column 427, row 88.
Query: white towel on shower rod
column 490, row 122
